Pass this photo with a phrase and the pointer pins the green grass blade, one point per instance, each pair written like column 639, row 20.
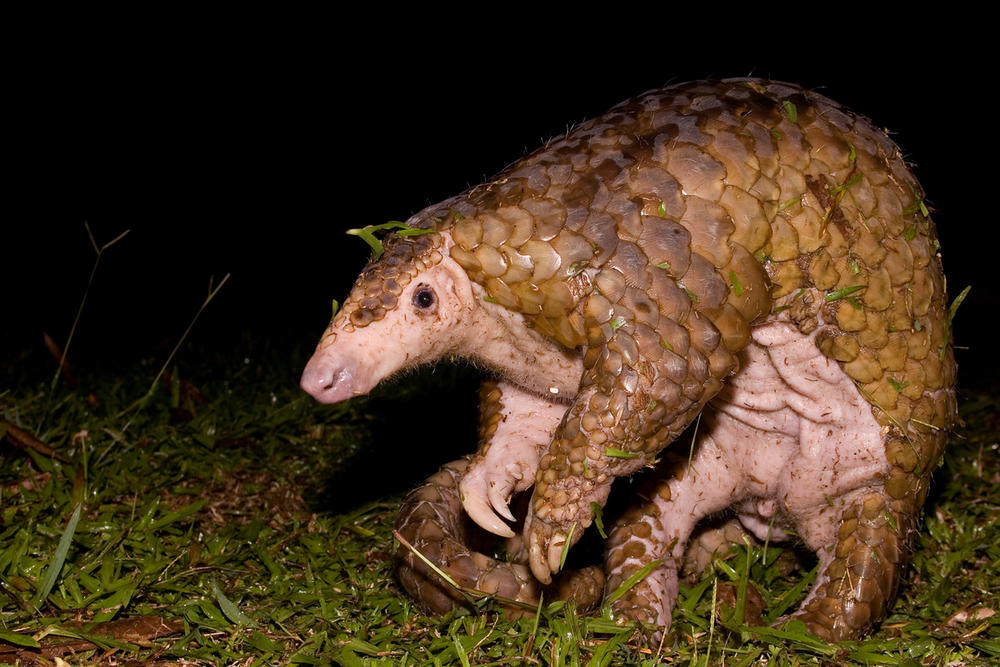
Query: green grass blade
column 616, row 453
column 956, row 303
column 177, row 515
column 843, row 292
column 460, row 651
column 55, row 567
column 598, row 512
column 17, row 639
column 231, row 611
column 566, row 545
column 630, row 583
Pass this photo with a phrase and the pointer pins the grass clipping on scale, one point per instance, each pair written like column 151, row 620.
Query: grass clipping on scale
column 169, row 522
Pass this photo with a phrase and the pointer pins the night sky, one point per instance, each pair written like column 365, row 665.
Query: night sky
column 253, row 158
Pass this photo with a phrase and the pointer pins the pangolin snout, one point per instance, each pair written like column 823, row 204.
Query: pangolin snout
column 329, row 382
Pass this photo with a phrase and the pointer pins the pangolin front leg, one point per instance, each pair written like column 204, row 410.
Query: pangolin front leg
column 512, row 423
column 654, row 357
column 515, row 426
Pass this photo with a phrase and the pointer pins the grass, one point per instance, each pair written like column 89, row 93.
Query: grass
column 228, row 519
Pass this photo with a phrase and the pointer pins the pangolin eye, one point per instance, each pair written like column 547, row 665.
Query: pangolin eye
column 424, row 297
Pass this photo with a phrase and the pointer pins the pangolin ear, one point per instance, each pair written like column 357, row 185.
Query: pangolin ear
column 452, row 283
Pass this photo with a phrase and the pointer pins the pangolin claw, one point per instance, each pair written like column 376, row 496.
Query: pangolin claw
column 485, row 496
column 483, row 513
column 546, row 544
column 557, row 546
column 499, row 497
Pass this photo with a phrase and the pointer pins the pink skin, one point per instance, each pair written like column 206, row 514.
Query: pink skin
column 508, row 465
column 460, row 323
column 789, row 443
column 537, row 373
column 348, row 364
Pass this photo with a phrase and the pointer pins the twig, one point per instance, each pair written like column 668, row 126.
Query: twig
column 21, row 438
column 76, row 320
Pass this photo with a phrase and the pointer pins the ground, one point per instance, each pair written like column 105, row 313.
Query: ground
column 227, row 519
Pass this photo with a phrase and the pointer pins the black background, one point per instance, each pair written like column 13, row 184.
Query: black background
column 249, row 150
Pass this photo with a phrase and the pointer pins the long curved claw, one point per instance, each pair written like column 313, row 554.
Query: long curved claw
column 477, row 507
column 546, row 530
column 546, row 544
column 557, row 545
column 499, row 495
column 485, row 494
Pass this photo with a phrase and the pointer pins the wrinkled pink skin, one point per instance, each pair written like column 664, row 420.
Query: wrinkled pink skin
column 788, row 442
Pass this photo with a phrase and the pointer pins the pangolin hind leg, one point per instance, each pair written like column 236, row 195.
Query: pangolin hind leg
column 860, row 575
column 826, row 468
column 674, row 499
column 794, row 449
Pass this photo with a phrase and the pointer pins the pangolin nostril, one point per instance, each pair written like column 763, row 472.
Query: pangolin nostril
column 318, row 381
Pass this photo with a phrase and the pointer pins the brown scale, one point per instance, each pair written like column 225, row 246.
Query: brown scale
column 652, row 238
column 381, row 282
